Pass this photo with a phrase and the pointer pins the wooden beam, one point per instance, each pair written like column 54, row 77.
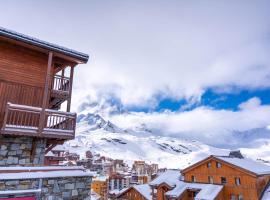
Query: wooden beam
column 70, row 87
column 33, row 149
column 46, row 94
column 50, row 148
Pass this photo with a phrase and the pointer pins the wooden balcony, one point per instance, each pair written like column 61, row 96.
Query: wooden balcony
column 33, row 121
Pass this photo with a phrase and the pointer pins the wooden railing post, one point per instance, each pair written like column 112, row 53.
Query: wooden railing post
column 6, row 116
column 46, row 95
column 70, row 88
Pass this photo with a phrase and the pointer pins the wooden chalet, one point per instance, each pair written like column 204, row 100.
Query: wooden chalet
column 35, row 83
column 242, row 178
column 35, row 80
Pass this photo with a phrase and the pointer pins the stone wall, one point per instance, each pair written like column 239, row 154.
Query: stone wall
column 16, row 151
column 65, row 188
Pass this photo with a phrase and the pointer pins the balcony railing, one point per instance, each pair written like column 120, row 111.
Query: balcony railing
column 25, row 120
column 61, row 84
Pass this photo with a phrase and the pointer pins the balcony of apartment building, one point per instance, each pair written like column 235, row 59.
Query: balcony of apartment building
column 22, row 119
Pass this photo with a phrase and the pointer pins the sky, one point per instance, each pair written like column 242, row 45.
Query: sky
column 200, row 66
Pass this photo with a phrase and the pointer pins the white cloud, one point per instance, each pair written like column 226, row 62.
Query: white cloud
column 252, row 103
column 141, row 48
column 203, row 123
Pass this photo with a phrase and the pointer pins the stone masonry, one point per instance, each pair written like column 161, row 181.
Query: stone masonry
column 16, row 151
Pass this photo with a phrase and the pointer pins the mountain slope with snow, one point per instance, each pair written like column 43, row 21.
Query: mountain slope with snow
column 104, row 138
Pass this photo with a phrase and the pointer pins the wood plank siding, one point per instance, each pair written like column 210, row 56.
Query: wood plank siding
column 22, row 76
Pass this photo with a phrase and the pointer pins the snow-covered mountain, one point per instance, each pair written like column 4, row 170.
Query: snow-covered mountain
column 139, row 142
column 103, row 137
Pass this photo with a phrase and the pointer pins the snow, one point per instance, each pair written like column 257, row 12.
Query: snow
column 94, row 195
column 145, row 190
column 7, row 192
column 170, row 177
column 206, row 191
column 266, row 195
column 133, row 145
column 48, row 174
column 21, row 168
column 49, row 154
column 248, row 164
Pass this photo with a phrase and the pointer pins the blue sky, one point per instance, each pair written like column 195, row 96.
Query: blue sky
column 183, row 60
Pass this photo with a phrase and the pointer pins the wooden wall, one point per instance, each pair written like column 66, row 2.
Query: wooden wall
column 21, row 65
column 248, row 187
column 22, row 76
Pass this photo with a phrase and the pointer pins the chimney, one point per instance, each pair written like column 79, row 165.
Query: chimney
column 236, row 154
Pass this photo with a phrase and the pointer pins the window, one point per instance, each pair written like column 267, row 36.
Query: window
column 233, row 197
column 193, row 179
column 210, row 179
column 218, row 164
column 237, row 181
column 208, row 164
column 240, row 197
column 223, row 180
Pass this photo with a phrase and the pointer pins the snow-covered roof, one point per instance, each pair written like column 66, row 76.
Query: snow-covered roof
column 145, row 190
column 170, row 177
column 206, row 191
column 43, row 174
column 49, row 154
column 94, row 195
column 42, row 44
column 247, row 164
column 45, row 168
column 266, row 194
column 17, row 173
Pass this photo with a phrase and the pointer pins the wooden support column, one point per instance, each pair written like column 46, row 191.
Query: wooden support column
column 46, row 94
column 70, row 87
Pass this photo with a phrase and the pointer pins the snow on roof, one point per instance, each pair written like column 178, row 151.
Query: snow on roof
column 49, row 154
column 59, row 148
column 40, row 43
column 145, row 190
column 44, row 174
column 100, row 178
column 248, row 164
column 21, row 168
column 266, row 194
column 170, row 177
column 94, row 195
column 206, row 191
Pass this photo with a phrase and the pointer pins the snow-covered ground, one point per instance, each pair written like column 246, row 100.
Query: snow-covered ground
column 102, row 137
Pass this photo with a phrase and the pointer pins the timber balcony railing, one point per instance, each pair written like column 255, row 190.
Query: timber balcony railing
column 61, row 84
column 33, row 121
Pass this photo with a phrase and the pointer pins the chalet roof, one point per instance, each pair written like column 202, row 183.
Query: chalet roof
column 144, row 190
column 206, row 191
column 247, row 164
column 252, row 166
column 169, row 177
column 20, row 173
column 43, row 44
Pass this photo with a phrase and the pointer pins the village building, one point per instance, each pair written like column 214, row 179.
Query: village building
column 100, row 185
column 35, row 82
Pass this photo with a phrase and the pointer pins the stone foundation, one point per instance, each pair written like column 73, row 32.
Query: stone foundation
column 16, row 151
column 64, row 188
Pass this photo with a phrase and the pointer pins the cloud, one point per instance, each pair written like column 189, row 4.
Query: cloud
column 139, row 49
column 252, row 103
column 180, row 51
column 203, row 123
